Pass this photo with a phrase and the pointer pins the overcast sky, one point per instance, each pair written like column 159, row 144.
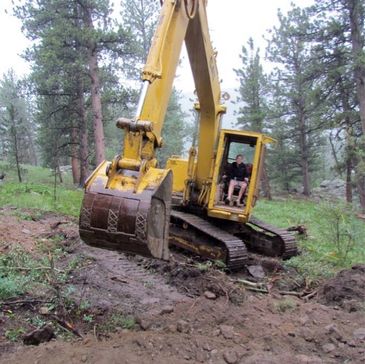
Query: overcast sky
column 231, row 23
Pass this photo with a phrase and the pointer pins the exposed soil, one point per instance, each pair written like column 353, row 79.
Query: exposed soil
column 346, row 289
column 184, row 312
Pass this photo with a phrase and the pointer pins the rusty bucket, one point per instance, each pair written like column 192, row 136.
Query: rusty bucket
column 134, row 220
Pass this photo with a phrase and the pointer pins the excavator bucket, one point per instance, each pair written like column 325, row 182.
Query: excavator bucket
column 130, row 217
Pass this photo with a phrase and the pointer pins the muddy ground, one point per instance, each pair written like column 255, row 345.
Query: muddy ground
column 106, row 307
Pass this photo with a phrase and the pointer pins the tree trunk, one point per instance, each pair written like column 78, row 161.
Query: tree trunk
column 59, row 173
column 356, row 16
column 346, row 106
column 360, row 184
column 305, row 169
column 357, row 24
column 84, row 152
column 334, row 155
column 32, row 150
column 17, row 157
column 95, row 92
column 304, row 155
column 14, row 135
column 75, row 165
column 265, row 182
column 348, row 180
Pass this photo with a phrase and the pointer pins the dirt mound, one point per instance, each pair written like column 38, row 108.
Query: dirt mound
column 346, row 289
column 28, row 228
column 193, row 280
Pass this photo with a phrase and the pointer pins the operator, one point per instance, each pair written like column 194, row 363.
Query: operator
column 238, row 177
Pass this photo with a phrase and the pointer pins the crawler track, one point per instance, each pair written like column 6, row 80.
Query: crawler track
column 205, row 239
column 227, row 241
column 269, row 240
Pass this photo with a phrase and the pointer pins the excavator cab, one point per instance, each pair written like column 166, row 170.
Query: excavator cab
column 251, row 146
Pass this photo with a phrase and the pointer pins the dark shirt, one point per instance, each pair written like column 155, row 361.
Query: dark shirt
column 238, row 171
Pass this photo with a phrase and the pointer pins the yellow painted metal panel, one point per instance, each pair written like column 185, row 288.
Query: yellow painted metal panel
column 179, row 168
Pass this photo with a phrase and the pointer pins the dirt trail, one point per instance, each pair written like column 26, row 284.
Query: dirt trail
column 111, row 280
column 176, row 322
column 218, row 332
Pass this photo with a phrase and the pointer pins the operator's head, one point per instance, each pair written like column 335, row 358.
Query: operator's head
column 239, row 158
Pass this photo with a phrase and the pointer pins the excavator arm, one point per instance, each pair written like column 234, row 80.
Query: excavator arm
column 127, row 201
column 179, row 21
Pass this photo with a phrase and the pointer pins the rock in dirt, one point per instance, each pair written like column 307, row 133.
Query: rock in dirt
column 44, row 310
column 210, row 295
column 305, row 359
column 38, row 336
column 144, row 323
column 166, row 309
column 201, row 357
column 348, row 285
column 227, row 331
column 171, row 328
column 359, row 333
column 327, row 348
column 256, row 271
column 230, row 357
column 182, row 326
column 303, row 320
column 333, row 330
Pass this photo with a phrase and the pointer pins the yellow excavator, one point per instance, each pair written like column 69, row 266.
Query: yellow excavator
column 132, row 205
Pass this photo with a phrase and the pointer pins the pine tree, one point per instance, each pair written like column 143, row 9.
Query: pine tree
column 141, row 27
column 340, row 38
column 16, row 124
column 297, row 95
column 252, row 95
column 72, row 37
column 175, row 130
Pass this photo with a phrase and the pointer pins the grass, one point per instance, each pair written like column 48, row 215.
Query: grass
column 37, row 191
column 207, row 265
column 321, row 256
column 284, row 305
column 34, row 174
column 118, row 320
column 14, row 334
column 19, row 272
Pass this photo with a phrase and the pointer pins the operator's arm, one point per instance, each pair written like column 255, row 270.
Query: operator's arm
column 247, row 172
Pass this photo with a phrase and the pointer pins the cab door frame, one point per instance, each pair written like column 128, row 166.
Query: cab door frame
column 247, row 137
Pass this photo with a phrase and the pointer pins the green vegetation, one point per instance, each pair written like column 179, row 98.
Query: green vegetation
column 19, row 272
column 335, row 236
column 118, row 320
column 14, row 334
column 12, row 286
column 37, row 191
column 321, row 254
column 206, row 266
column 34, row 174
column 287, row 304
